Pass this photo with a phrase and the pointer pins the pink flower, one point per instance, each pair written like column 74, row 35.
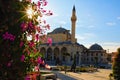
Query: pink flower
column 39, row 29
column 49, row 13
column 28, row 52
column 8, row 36
column 38, row 4
column 34, row 76
column 31, row 27
column 37, row 37
column 35, row 50
column 44, row 2
column 9, row 64
column 31, row 44
column 44, row 21
column 21, row 44
column 36, row 68
column 49, row 41
column 39, row 60
column 22, row 58
column 47, row 66
column 43, row 62
column 24, row 26
column 5, row 36
column 43, row 11
column 48, row 26
column 27, row 77
column 30, row 24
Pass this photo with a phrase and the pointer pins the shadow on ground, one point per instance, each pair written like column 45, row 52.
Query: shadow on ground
column 63, row 76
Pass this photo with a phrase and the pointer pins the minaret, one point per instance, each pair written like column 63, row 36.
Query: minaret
column 73, row 25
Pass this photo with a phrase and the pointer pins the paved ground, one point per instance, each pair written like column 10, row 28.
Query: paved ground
column 102, row 74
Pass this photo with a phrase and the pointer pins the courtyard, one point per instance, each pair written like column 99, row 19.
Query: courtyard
column 80, row 53
column 101, row 74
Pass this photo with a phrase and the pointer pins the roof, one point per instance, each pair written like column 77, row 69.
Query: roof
column 61, row 43
column 74, row 8
column 96, row 47
column 59, row 30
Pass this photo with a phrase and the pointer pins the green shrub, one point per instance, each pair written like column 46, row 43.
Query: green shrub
column 83, row 69
column 116, row 66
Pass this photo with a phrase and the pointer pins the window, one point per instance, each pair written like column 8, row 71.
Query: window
column 101, row 54
column 87, row 54
column 91, row 54
column 92, row 59
column 96, row 54
column 87, row 59
column 63, row 58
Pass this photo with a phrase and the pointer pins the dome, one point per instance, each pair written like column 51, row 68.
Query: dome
column 59, row 30
column 96, row 47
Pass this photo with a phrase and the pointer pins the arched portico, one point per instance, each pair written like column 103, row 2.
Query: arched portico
column 49, row 54
column 63, row 53
column 43, row 52
column 56, row 53
column 77, row 57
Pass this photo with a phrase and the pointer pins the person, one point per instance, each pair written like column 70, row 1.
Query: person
column 73, row 67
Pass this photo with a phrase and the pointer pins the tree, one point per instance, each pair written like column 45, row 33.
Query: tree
column 116, row 65
column 96, row 61
column 73, row 66
column 20, row 19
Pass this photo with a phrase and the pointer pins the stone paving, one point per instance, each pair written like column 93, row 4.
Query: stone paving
column 63, row 76
column 102, row 74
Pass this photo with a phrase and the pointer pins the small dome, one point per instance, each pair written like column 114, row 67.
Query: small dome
column 96, row 47
column 59, row 30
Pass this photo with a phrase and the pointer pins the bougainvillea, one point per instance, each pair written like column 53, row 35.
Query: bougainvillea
column 22, row 29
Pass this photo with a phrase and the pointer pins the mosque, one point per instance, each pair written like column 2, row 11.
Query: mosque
column 65, row 48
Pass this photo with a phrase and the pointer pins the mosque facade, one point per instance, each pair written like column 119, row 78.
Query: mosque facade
column 65, row 49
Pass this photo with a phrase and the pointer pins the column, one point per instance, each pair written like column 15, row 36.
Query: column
column 52, row 56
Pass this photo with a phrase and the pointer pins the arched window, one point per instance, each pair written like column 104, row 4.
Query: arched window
column 49, row 54
column 63, row 52
column 77, row 57
column 43, row 52
column 56, row 53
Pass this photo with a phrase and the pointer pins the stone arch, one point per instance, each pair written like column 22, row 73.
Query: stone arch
column 49, row 54
column 56, row 53
column 63, row 53
column 43, row 51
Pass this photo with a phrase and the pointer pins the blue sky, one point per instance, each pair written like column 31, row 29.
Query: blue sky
column 98, row 21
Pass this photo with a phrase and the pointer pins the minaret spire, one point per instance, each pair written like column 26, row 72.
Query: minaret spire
column 74, row 8
column 73, row 24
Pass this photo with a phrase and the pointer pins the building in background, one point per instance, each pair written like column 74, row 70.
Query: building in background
column 95, row 55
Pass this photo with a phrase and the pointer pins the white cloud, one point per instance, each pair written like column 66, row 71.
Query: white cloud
column 110, row 23
column 79, row 38
column 91, row 26
column 89, row 35
column 111, row 43
column 118, row 17
column 62, row 23
column 78, row 25
column 84, row 36
column 111, row 46
column 89, row 15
